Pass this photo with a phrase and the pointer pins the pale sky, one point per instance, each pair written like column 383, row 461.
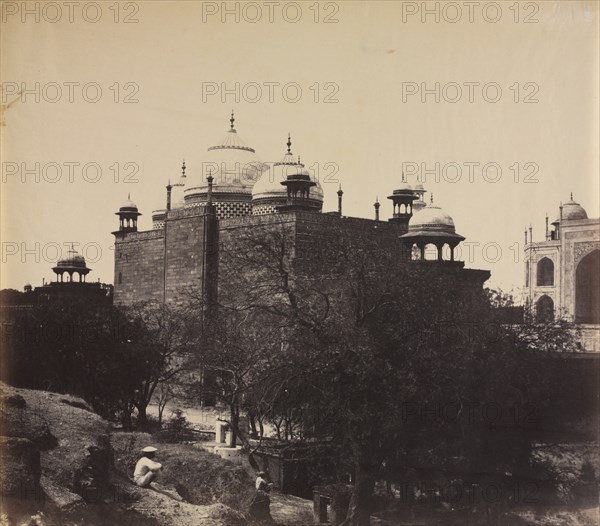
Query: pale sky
column 365, row 64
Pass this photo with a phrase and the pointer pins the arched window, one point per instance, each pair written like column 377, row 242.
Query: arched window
column 431, row 253
column 120, row 278
column 587, row 289
column 545, row 273
column 544, row 310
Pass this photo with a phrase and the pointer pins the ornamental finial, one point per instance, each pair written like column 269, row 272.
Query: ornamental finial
column 232, row 120
column 431, row 199
column 289, row 143
column 183, row 169
column 128, row 196
column 571, row 196
column 403, row 177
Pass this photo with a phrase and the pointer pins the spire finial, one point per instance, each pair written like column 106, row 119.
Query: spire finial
column 403, row 177
column 183, row 169
column 299, row 160
column 431, row 198
column 232, row 120
column 128, row 196
column 571, row 196
column 289, row 143
column 340, row 191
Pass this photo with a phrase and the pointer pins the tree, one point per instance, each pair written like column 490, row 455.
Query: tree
column 71, row 345
column 372, row 346
column 164, row 344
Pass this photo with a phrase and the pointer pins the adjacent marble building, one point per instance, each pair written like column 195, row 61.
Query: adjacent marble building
column 562, row 272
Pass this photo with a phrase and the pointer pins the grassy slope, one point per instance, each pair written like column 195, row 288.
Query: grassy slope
column 203, row 478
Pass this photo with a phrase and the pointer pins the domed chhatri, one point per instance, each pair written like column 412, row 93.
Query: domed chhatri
column 433, row 226
column 128, row 215
column 74, row 263
column 129, row 205
column 432, row 219
column 270, row 192
column 419, row 203
column 403, row 197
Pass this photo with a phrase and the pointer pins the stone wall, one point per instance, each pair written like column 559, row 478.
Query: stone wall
column 185, row 256
column 141, row 273
column 161, row 264
column 139, row 267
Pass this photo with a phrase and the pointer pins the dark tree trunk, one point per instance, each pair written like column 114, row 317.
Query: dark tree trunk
column 359, row 508
column 161, row 409
column 235, row 422
column 142, row 418
column 252, row 422
column 126, row 420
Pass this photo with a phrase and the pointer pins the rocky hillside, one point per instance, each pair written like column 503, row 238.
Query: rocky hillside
column 58, row 468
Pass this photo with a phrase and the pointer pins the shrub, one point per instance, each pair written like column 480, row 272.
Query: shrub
column 177, row 429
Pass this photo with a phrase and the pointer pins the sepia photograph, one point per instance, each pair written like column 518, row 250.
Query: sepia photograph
column 300, row 263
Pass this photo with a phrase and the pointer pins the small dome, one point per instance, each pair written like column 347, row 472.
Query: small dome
column 573, row 211
column 73, row 260
column 269, row 185
column 431, row 218
column 128, row 206
column 419, row 187
column 403, row 187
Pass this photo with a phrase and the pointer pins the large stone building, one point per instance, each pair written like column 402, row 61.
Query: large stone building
column 562, row 272
column 237, row 192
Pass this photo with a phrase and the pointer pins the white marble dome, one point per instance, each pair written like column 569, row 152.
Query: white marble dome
column 573, row 211
column 433, row 219
column 234, row 166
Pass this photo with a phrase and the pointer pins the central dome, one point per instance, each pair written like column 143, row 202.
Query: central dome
column 232, row 163
column 234, row 166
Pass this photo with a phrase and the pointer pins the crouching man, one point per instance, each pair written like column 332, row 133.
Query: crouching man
column 146, row 472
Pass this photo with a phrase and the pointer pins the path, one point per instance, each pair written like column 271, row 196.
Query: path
column 288, row 510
